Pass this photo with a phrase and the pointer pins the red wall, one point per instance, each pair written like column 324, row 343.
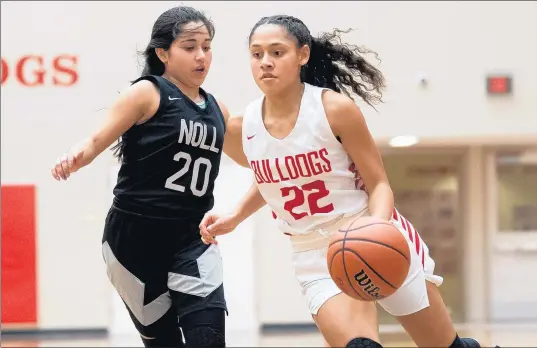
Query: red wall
column 19, row 291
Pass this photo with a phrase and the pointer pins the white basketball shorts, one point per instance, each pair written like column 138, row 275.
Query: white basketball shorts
column 311, row 269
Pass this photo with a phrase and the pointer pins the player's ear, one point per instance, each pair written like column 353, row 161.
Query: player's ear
column 304, row 54
column 162, row 54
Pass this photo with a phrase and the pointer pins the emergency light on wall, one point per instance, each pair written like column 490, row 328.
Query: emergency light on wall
column 499, row 85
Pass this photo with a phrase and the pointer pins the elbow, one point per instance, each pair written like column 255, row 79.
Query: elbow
column 238, row 158
column 384, row 189
column 241, row 162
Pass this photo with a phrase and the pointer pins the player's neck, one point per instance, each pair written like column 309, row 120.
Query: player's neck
column 286, row 102
column 192, row 92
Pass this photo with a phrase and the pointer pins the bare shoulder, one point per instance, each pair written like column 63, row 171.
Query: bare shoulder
column 144, row 90
column 223, row 108
column 341, row 111
column 233, row 122
column 137, row 102
column 145, row 96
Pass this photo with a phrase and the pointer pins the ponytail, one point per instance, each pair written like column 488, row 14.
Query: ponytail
column 342, row 68
column 153, row 65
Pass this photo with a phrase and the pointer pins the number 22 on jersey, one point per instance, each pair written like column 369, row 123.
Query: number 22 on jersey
column 311, row 192
column 196, row 167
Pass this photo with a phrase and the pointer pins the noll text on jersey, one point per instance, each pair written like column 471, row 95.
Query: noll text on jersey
column 304, row 165
column 195, row 134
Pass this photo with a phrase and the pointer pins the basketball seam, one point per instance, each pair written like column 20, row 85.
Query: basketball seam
column 345, row 269
column 345, row 265
column 371, row 268
column 380, row 243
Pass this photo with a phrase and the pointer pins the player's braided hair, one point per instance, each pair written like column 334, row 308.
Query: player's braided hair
column 333, row 64
column 167, row 27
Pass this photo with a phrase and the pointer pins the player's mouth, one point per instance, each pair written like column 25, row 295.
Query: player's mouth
column 267, row 76
column 200, row 69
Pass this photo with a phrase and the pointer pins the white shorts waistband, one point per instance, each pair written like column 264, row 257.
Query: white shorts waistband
column 320, row 237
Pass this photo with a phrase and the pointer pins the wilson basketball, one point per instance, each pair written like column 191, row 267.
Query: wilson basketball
column 368, row 259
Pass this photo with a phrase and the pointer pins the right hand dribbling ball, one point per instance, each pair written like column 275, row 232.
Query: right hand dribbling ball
column 368, row 258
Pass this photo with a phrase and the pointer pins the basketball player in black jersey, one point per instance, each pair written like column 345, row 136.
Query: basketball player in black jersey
column 172, row 137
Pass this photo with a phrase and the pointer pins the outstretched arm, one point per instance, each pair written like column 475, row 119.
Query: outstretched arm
column 138, row 103
column 213, row 225
column 249, row 204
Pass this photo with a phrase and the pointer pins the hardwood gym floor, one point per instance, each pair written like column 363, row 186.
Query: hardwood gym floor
column 505, row 335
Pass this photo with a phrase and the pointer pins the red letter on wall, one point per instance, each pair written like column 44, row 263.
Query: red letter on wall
column 19, row 291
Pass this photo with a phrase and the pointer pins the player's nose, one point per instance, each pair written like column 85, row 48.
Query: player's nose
column 266, row 62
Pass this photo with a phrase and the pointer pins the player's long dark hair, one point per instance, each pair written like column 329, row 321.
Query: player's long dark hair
column 167, row 27
column 333, row 64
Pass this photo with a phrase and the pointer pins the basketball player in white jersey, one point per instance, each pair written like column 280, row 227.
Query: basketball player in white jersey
column 302, row 143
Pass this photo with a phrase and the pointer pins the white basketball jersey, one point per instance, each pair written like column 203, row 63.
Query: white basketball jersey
column 307, row 178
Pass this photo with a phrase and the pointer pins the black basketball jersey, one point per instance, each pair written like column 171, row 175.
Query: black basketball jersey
column 170, row 162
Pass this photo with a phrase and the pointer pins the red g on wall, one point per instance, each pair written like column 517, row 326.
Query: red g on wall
column 40, row 70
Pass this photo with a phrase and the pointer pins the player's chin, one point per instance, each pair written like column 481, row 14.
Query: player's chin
column 198, row 78
column 268, row 85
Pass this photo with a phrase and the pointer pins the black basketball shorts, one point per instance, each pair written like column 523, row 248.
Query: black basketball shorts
column 161, row 265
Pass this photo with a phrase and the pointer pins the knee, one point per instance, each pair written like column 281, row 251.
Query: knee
column 163, row 340
column 163, row 333
column 204, row 328
column 204, row 336
column 362, row 342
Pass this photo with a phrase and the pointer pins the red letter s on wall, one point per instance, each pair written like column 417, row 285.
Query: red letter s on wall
column 65, row 65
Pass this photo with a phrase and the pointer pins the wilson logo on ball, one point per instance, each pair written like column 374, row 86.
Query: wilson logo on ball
column 370, row 256
column 367, row 285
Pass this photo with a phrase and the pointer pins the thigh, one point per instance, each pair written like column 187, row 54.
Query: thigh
column 339, row 317
column 311, row 272
column 412, row 296
column 136, row 265
column 418, row 304
column 342, row 318
column 195, row 279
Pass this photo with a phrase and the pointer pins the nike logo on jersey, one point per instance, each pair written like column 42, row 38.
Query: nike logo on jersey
column 196, row 134
column 305, row 165
column 250, row 136
column 170, row 98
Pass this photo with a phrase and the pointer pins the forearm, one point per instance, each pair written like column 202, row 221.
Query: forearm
column 238, row 157
column 381, row 201
column 250, row 203
column 90, row 150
